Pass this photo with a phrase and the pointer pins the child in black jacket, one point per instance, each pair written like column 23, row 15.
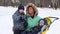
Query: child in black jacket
column 19, row 20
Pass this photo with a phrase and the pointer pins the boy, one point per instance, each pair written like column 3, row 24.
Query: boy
column 19, row 20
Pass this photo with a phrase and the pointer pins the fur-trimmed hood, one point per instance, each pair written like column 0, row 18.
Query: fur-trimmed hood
column 35, row 9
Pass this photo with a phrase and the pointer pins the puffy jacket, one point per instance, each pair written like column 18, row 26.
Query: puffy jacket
column 19, row 21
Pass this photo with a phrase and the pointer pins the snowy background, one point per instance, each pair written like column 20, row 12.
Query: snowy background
column 6, row 22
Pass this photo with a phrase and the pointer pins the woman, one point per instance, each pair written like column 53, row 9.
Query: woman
column 32, row 18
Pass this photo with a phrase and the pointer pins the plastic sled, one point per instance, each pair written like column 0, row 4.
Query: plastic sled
column 49, row 22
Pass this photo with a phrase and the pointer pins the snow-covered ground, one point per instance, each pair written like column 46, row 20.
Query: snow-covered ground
column 6, row 22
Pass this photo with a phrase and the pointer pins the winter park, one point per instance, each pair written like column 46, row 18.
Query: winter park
column 7, row 11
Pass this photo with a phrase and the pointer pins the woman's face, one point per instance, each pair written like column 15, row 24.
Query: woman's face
column 31, row 10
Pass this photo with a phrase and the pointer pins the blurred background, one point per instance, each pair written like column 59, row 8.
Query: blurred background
column 39, row 3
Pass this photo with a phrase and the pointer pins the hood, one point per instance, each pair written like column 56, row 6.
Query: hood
column 35, row 9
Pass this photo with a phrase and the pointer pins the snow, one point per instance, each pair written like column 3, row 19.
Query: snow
column 6, row 22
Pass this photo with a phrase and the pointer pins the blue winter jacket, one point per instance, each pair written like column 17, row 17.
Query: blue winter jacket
column 19, row 21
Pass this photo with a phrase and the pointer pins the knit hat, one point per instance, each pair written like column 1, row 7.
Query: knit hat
column 20, row 7
column 41, row 21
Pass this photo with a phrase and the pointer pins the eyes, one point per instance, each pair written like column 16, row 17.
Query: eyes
column 30, row 8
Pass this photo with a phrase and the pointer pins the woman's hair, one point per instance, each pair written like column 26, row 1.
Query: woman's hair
column 30, row 6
